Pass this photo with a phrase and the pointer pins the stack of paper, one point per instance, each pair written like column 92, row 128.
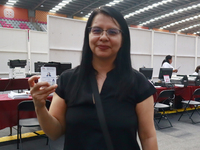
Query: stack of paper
column 15, row 95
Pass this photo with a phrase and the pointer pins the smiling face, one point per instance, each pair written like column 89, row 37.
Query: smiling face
column 105, row 46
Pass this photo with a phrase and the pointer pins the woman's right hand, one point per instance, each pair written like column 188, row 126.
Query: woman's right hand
column 175, row 70
column 40, row 91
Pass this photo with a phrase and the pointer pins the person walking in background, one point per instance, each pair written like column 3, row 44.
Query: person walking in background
column 167, row 63
column 126, row 95
column 196, row 71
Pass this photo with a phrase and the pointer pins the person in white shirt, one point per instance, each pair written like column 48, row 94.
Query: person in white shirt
column 167, row 63
column 196, row 71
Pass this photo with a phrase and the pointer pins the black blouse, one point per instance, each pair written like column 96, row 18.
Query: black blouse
column 83, row 130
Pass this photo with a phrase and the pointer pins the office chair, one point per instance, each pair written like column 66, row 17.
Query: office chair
column 27, row 106
column 191, row 103
column 164, row 96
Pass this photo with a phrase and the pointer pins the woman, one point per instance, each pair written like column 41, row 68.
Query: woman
column 125, row 94
column 196, row 71
column 167, row 63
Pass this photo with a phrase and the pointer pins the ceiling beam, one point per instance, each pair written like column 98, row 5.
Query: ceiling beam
column 136, row 22
column 39, row 4
column 127, row 11
column 85, row 7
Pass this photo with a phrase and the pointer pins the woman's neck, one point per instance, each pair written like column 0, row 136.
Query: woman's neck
column 103, row 67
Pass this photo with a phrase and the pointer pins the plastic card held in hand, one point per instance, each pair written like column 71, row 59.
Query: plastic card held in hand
column 48, row 74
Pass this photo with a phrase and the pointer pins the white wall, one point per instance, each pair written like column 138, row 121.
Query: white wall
column 16, row 44
column 64, row 39
column 141, row 47
column 39, row 51
column 13, row 45
column 148, row 47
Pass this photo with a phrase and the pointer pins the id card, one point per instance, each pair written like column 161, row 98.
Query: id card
column 48, row 74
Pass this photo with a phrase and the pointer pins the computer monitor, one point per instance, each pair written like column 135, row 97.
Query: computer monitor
column 165, row 71
column 147, row 72
column 17, row 63
column 63, row 67
column 38, row 66
column 60, row 67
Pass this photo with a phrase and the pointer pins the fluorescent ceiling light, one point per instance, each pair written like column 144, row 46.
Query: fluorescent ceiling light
column 190, row 27
column 61, row 4
column 55, row 8
column 52, row 11
column 149, row 7
column 65, row 2
column 58, row 6
column 113, row 2
column 181, row 21
column 174, row 12
column 12, row 1
column 9, row 3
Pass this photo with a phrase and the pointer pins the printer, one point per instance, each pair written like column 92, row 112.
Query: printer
column 194, row 80
column 17, row 68
column 180, row 79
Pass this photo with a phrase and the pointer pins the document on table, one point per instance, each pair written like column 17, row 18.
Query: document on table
column 14, row 95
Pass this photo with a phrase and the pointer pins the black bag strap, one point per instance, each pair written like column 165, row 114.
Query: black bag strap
column 100, row 113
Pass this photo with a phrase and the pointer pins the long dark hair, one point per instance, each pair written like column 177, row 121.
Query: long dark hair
column 122, row 61
column 167, row 58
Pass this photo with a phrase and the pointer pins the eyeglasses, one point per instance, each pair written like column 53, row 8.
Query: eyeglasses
column 96, row 31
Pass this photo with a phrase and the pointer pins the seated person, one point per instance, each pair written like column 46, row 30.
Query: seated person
column 196, row 71
column 167, row 63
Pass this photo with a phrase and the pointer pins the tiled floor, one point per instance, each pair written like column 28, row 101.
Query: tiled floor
column 29, row 143
column 182, row 136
